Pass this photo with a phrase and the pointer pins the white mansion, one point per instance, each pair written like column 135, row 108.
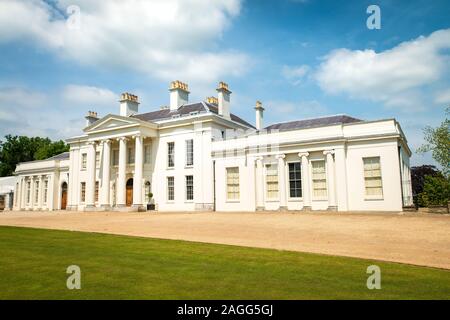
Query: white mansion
column 199, row 156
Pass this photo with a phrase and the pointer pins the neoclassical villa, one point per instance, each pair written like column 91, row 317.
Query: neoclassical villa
column 200, row 157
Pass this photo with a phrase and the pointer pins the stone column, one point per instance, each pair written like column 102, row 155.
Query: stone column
column 138, row 168
column 32, row 192
column 306, row 188
column 51, row 191
column 41, row 189
column 90, row 180
column 259, row 178
column 330, row 180
column 70, row 185
column 23, row 196
column 106, row 175
column 121, row 182
column 282, row 182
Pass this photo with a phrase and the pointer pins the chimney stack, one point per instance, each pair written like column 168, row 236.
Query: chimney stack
column 129, row 104
column 259, row 115
column 179, row 94
column 224, row 99
column 91, row 117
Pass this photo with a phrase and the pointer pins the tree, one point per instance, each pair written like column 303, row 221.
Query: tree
column 438, row 141
column 16, row 149
column 418, row 175
column 436, row 191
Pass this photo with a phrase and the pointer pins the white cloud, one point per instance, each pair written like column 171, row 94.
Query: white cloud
column 390, row 76
column 88, row 95
column 443, row 97
column 295, row 74
column 167, row 39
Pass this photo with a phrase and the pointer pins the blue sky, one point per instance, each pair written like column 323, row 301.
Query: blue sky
column 301, row 58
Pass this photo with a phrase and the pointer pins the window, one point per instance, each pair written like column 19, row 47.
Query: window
column 233, row 183
column 115, row 158
column 372, row 176
column 83, row 161
column 319, row 179
column 130, row 155
column 170, row 189
column 83, row 191
column 45, row 191
column 295, row 180
column 97, row 159
column 147, row 154
column 28, row 192
column 272, row 181
column 189, row 187
column 36, row 192
column 96, row 190
column 189, row 152
column 171, row 154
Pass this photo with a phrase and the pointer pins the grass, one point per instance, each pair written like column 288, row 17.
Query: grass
column 33, row 265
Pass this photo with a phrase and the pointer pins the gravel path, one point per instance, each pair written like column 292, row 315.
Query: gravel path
column 410, row 238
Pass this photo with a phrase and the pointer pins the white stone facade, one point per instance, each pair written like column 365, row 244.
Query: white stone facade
column 199, row 157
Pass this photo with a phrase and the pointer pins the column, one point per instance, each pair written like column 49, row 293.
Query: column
column 90, row 179
column 340, row 170
column 18, row 195
column 106, row 175
column 121, row 183
column 306, row 189
column 41, row 182
column 282, row 182
column 330, row 180
column 23, row 190
column 51, row 192
column 138, row 168
column 70, row 182
column 32, row 192
column 259, row 188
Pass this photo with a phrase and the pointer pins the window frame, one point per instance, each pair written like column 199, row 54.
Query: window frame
column 170, row 156
column 168, row 188
column 266, row 182
column 235, row 199
column 314, row 197
column 187, row 186
column 84, row 161
column 147, row 155
column 375, row 196
column 291, row 198
column 189, row 152
column 45, row 193
column 82, row 191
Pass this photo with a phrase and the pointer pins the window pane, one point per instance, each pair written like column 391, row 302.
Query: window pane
column 319, row 179
column 272, row 181
column 233, row 183
column 189, row 152
column 171, row 154
column 295, row 182
column 170, row 188
column 189, row 188
column 372, row 176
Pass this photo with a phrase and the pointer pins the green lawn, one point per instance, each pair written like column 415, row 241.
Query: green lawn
column 33, row 266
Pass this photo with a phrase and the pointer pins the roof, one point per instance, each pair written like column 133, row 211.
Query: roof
column 61, row 156
column 315, row 122
column 185, row 110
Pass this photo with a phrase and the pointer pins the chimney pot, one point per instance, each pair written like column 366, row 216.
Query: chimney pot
column 179, row 94
column 91, row 117
column 212, row 100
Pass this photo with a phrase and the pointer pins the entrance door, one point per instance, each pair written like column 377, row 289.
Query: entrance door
column 64, row 196
column 129, row 192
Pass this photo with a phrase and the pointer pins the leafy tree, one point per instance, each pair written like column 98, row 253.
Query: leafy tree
column 438, row 141
column 436, row 191
column 418, row 175
column 15, row 149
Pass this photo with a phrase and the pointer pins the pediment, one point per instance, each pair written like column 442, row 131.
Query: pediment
column 111, row 122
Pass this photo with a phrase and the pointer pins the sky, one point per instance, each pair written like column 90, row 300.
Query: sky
column 301, row 58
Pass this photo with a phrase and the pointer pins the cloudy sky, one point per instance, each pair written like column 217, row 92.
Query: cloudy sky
column 302, row 58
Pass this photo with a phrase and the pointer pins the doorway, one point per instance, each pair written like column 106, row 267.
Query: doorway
column 64, row 196
column 129, row 200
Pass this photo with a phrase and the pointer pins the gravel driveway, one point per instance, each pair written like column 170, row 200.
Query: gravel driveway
column 410, row 238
